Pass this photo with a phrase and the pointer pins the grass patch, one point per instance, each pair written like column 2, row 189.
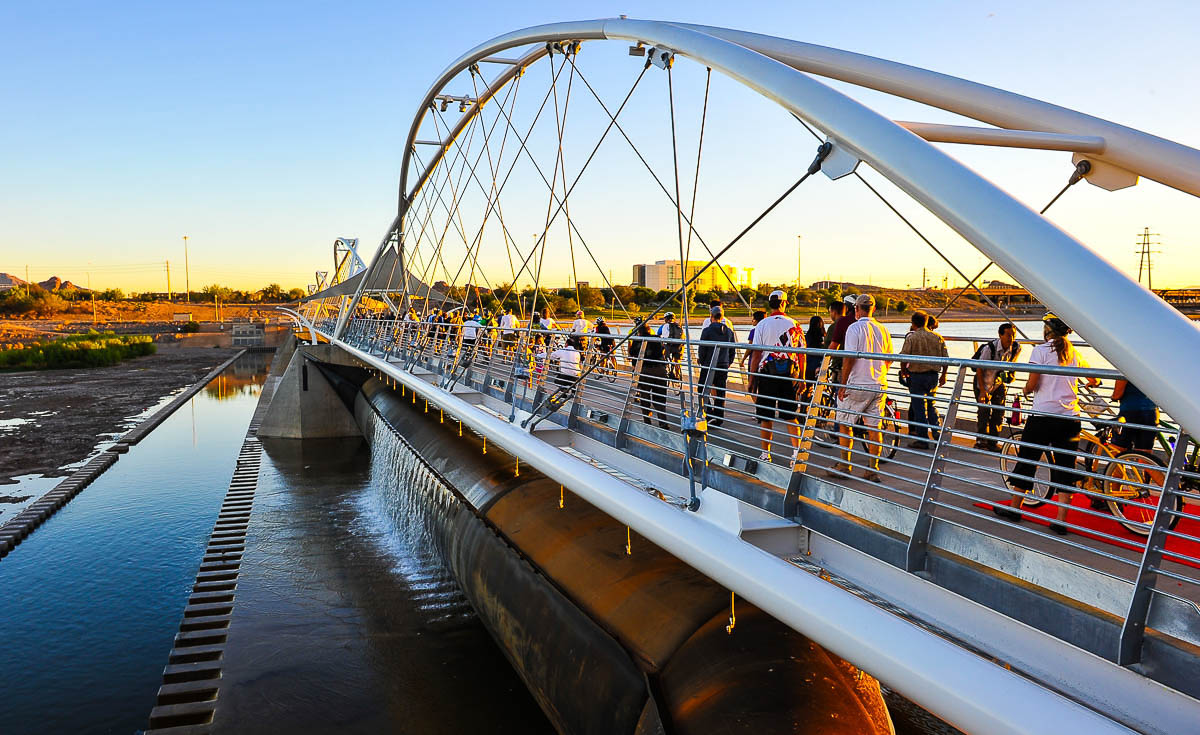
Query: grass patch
column 94, row 349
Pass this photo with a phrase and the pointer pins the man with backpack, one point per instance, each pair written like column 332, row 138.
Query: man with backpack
column 990, row 385
column 714, row 364
column 774, row 375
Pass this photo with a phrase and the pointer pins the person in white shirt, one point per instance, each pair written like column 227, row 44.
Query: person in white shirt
column 580, row 325
column 579, row 328
column 568, row 360
column 470, row 337
column 774, row 375
column 509, row 324
column 865, row 387
column 1053, row 423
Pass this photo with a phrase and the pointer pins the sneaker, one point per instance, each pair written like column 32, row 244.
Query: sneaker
column 872, row 476
column 1007, row 513
column 764, row 457
column 918, row 444
column 1058, row 528
column 795, row 456
column 838, row 471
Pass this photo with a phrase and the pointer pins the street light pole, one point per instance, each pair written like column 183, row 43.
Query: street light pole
column 798, row 260
column 187, row 279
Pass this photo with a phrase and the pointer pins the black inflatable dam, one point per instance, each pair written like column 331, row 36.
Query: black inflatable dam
column 608, row 640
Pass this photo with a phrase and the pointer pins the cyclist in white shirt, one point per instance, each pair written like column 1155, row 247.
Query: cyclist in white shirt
column 865, row 387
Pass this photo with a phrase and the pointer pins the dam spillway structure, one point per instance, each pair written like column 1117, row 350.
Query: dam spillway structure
column 641, row 564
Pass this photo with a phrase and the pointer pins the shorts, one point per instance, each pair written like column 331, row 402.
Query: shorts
column 775, row 396
column 865, row 403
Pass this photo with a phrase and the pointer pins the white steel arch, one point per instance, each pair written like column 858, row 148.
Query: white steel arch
column 1149, row 341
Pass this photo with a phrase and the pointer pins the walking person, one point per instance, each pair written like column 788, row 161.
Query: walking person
column 652, row 374
column 923, row 379
column 991, row 385
column 714, row 365
column 604, row 343
column 774, row 375
column 566, row 361
column 509, row 324
column 755, row 318
column 865, row 389
column 471, row 330
column 1053, row 423
column 1136, row 412
column 814, row 339
column 836, row 338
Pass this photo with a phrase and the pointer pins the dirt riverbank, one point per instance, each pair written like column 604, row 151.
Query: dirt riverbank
column 52, row 418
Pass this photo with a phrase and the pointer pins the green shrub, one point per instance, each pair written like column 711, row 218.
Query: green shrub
column 191, row 327
column 93, row 349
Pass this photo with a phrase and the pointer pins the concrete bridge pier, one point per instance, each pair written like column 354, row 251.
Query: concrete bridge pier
column 305, row 404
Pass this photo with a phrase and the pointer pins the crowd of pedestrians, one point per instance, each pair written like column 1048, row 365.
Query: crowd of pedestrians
column 780, row 381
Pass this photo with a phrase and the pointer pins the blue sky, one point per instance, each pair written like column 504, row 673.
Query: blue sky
column 265, row 130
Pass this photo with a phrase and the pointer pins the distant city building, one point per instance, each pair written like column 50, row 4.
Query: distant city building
column 670, row 274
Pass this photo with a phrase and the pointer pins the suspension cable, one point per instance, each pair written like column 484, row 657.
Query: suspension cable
column 911, row 226
column 1082, row 169
column 823, row 152
column 682, row 253
column 657, row 180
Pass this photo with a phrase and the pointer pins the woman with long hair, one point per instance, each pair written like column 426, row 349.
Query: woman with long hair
column 1053, row 425
column 814, row 338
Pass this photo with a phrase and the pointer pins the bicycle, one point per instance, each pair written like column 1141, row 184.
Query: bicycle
column 1131, row 485
column 889, row 425
column 605, row 365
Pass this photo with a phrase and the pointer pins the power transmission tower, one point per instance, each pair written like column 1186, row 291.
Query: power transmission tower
column 1143, row 253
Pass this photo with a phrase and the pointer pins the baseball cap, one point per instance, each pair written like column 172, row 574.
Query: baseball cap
column 1058, row 326
column 777, row 294
column 864, row 301
column 851, row 299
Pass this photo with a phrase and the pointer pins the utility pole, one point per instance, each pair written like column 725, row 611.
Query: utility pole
column 798, row 261
column 93, row 295
column 923, row 272
column 187, row 278
column 26, row 280
column 1143, row 253
column 168, row 280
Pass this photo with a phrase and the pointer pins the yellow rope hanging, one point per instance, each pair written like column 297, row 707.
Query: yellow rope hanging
column 628, row 543
column 426, row 405
column 560, row 497
column 441, row 416
column 485, row 444
column 732, row 615
column 517, row 472
column 460, row 427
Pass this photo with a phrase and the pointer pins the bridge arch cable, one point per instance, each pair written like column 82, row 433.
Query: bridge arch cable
column 494, row 166
column 823, row 152
column 591, row 156
column 1000, row 311
column 658, row 180
column 521, row 140
column 1081, row 170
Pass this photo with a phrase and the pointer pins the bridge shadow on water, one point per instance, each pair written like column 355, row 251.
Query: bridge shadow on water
column 346, row 622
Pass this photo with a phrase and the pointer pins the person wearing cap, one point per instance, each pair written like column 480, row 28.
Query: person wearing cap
column 670, row 329
column 1053, row 423
column 604, row 341
column 580, row 325
column 714, row 365
column 991, row 385
column 774, row 376
column 470, row 338
column 865, row 387
column 708, row 319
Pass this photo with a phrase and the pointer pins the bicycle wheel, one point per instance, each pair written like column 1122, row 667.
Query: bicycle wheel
column 1133, row 505
column 1041, row 476
column 890, row 437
